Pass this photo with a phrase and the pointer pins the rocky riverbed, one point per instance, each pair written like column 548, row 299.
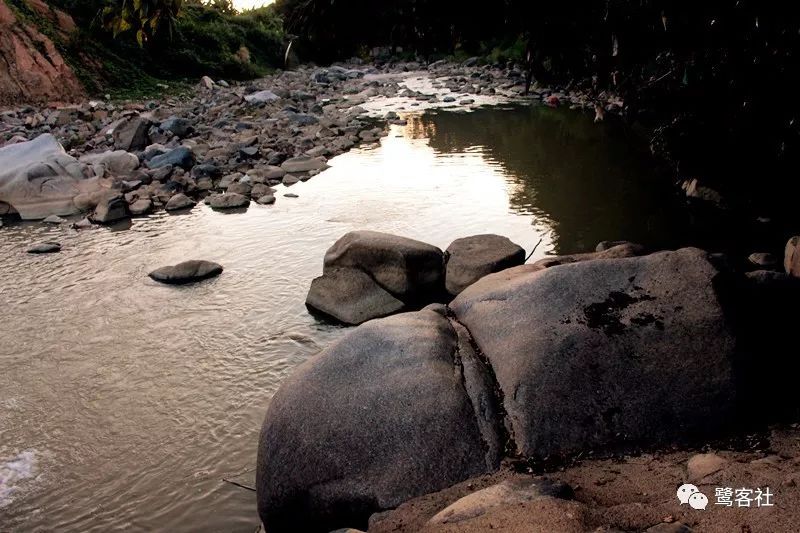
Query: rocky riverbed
column 227, row 144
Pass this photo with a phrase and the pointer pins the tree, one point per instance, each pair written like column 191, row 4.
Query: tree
column 143, row 17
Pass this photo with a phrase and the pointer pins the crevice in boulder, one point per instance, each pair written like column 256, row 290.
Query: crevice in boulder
column 485, row 394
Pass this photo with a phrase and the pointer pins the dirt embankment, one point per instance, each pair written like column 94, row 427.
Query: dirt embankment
column 32, row 71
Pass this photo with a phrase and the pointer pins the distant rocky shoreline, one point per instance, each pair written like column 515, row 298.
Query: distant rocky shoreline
column 224, row 144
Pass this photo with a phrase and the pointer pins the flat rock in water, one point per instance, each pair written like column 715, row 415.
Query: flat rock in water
column 304, row 163
column 45, row 248
column 351, row 297
column 471, row 258
column 229, row 200
column 186, row 272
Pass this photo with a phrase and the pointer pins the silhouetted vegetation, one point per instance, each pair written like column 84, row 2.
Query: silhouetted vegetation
column 714, row 80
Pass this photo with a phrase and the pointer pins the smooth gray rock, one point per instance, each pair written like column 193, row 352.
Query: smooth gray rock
column 289, row 180
column 179, row 201
column 111, row 208
column 598, row 353
column 304, row 163
column 132, row 134
column 376, row 419
column 54, row 219
column 261, row 97
column 229, row 200
column 471, row 258
column 410, row 270
column 351, row 297
column 242, row 189
column 38, row 178
column 186, row 272
column 45, row 248
column 267, row 199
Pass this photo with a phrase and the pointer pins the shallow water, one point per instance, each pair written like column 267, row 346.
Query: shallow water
column 124, row 403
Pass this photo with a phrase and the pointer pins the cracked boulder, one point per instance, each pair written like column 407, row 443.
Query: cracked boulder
column 390, row 412
column 598, row 354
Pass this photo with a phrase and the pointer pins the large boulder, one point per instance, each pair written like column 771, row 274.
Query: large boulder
column 410, row 270
column 597, row 354
column 471, row 258
column 380, row 417
column 351, row 297
column 38, row 178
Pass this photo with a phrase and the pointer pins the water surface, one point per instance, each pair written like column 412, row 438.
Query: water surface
column 124, row 403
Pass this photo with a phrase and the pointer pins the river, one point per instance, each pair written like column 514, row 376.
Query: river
column 125, row 403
